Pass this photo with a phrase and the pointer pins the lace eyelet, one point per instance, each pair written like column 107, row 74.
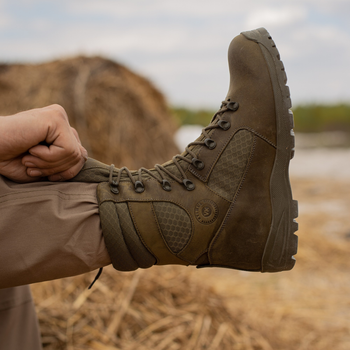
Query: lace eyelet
column 224, row 124
column 190, row 186
column 198, row 164
column 114, row 187
column 233, row 106
column 166, row 185
column 211, row 144
column 139, row 187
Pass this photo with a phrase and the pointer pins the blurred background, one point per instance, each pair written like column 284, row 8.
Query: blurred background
column 139, row 80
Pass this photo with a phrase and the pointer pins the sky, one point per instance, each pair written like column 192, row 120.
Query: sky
column 181, row 46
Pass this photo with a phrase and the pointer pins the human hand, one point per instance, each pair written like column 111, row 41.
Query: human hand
column 24, row 159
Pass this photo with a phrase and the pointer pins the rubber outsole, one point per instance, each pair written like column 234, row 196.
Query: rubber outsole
column 282, row 243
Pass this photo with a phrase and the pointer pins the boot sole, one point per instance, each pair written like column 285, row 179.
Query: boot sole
column 282, row 243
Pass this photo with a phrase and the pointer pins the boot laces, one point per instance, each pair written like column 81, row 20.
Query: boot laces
column 161, row 170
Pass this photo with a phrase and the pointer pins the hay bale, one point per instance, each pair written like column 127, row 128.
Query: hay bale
column 120, row 116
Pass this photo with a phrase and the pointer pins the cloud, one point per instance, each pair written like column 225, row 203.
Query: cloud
column 182, row 45
column 157, row 8
column 319, row 63
column 5, row 19
column 272, row 17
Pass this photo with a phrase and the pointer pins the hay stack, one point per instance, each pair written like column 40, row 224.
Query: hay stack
column 120, row 116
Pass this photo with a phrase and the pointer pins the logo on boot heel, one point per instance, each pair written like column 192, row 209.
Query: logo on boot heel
column 206, row 211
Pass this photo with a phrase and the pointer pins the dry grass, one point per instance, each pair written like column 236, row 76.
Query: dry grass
column 175, row 307
column 156, row 309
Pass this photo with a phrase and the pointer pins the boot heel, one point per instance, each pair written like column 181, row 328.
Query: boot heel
column 282, row 243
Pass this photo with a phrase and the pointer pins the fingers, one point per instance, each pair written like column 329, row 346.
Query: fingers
column 69, row 173
column 50, row 157
column 56, row 108
column 40, row 143
column 76, row 134
column 64, row 157
column 62, row 173
column 55, row 162
column 16, row 171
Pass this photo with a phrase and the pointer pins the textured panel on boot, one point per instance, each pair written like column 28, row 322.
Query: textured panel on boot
column 139, row 252
column 228, row 171
column 175, row 225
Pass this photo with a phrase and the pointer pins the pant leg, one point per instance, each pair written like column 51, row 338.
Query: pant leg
column 48, row 230
column 19, row 327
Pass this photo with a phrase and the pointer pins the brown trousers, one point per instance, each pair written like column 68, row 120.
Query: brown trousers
column 19, row 327
column 47, row 231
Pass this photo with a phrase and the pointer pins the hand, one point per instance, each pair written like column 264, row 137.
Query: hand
column 24, row 159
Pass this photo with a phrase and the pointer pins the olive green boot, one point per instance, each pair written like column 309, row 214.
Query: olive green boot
column 226, row 200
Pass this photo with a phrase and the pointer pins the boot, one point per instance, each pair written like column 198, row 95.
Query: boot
column 226, row 200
